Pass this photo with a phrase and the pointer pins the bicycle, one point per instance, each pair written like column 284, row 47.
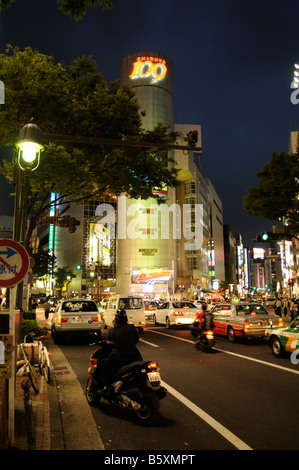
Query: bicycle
column 44, row 360
column 24, row 365
column 34, row 352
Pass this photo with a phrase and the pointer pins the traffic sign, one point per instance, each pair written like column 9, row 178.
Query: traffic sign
column 14, row 262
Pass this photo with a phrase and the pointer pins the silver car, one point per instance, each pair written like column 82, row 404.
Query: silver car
column 76, row 317
column 249, row 320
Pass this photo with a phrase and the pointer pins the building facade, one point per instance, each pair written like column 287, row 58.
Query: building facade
column 175, row 248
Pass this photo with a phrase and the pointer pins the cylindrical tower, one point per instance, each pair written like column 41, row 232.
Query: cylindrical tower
column 146, row 251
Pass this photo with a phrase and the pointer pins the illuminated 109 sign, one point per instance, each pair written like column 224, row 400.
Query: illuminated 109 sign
column 149, row 67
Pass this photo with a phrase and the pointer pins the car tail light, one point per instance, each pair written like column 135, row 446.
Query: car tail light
column 178, row 313
column 253, row 313
column 97, row 318
column 61, row 319
column 246, row 324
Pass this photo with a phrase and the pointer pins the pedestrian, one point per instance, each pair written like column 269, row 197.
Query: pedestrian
column 3, row 302
column 47, row 307
column 285, row 307
column 293, row 309
column 278, row 305
column 34, row 305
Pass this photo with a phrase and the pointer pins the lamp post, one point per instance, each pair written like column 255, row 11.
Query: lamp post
column 29, row 146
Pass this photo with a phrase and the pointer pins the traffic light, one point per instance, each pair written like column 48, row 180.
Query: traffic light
column 73, row 224
column 64, row 221
column 48, row 220
column 270, row 236
column 70, row 222
column 266, row 236
column 192, row 138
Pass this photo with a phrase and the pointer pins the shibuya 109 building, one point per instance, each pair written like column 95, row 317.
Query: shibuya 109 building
column 158, row 251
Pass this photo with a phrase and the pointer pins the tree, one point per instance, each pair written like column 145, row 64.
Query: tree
column 74, row 8
column 62, row 276
column 43, row 263
column 76, row 100
column 276, row 196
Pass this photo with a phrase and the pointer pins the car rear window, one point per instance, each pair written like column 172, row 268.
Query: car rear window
column 79, row 306
column 251, row 309
column 130, row 303
column 183, row 305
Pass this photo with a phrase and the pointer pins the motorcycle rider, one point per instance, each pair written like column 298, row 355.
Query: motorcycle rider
column 203, row 322
column 124, row 337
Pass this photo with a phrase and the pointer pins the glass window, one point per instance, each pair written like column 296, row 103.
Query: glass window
column 130, row 303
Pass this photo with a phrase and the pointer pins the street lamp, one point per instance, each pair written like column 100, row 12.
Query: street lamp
column 29, row 145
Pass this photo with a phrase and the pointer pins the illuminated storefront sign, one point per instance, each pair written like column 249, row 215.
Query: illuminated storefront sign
column 99, row 244
column 149, row 67
column 149, row 275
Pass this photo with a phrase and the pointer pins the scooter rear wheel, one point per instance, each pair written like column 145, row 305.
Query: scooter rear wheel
column 149, row 410
column 92, row 396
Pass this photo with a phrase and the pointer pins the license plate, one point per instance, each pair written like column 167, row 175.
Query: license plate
column 154, row 376
column 79, row 320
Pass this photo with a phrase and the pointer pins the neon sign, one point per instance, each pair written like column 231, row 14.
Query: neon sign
column 145, row 67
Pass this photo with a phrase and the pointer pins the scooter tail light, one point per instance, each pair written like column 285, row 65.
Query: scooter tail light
column 93, row 363
column 152, row 366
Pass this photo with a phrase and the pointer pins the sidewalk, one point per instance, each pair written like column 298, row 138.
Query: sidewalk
column 62, row 417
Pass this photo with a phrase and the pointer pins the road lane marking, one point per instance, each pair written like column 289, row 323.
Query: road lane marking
column 228, row 435
column 150, row 344
column 276, row 366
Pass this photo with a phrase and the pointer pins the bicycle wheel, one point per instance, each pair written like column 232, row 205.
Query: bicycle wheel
column 45, row 371
column 33, row 378
column 45, row 364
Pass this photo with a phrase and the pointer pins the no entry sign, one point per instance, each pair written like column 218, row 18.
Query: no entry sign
column 14, row 262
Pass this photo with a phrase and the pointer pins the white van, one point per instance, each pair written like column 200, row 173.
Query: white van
column 133, row 305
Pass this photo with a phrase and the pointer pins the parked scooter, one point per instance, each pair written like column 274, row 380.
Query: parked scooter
column 137, row 388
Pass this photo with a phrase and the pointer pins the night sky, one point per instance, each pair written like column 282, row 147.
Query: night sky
column 233, row 67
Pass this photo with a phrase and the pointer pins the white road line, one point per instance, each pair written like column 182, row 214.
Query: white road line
column 232, row 438
column 150, row 344
column 276, row 366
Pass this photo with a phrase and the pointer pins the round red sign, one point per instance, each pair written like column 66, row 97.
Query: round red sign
column 14, row 262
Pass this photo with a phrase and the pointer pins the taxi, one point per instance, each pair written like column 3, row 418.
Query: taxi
column 284, row 339
column 243, row 320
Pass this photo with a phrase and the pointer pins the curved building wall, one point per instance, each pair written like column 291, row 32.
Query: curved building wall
column 142, row 243
column 150, row 75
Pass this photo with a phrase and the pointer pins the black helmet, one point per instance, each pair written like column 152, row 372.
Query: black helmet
column 121, row 316
column 204, row 306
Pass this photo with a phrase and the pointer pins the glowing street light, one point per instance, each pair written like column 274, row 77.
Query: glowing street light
column 30, row 146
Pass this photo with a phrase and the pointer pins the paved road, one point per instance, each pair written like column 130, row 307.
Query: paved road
column 240, row 397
